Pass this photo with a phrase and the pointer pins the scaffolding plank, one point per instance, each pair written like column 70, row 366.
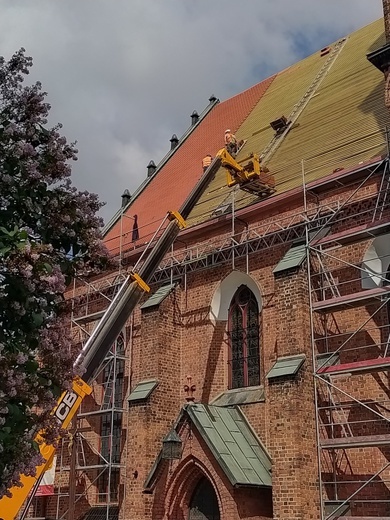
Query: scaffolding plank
column 368, row 365
column 351, row 299
column 355, row 442
column 355, row 234
column 89, row 317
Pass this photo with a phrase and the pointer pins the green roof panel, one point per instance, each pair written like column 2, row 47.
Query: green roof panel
column 293, row 258
column 286, row 366
column 142, row 390
column 158, row 296
column 228, row 435
column 240, row 396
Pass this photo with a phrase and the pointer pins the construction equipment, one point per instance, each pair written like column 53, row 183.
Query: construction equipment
column 97, row 347
column 251, row 177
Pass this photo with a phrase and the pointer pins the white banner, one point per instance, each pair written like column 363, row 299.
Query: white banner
column 46, row 486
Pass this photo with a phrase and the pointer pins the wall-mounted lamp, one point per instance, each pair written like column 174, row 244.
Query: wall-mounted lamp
column 172, row 446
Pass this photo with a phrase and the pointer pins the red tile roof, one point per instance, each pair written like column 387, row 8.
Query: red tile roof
column 173, row 183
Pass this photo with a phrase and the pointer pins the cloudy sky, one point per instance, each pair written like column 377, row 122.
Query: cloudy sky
column 124, row 75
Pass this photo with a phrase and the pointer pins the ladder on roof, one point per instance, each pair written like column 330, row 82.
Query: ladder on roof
column 275, row 142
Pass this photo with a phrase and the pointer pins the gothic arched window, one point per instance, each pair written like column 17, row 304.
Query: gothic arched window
column 244, row 339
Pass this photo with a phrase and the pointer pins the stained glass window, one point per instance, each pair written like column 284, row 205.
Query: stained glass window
column 244, row 338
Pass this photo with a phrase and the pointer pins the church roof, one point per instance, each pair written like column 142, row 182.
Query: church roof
column 334, row 100
column 168, row 189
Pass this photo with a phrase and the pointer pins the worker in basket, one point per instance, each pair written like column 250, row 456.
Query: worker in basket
column 206, row 162
column 231, row 144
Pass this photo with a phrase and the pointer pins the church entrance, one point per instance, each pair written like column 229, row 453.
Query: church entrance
column 204, row 503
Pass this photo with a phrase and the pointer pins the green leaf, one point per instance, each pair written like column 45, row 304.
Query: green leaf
column 5, row 231
column 48, row 267
column 14, row 410
column 31, row 366
column 37, row 318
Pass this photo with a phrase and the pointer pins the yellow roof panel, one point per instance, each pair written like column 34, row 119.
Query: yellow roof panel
column 341, row 125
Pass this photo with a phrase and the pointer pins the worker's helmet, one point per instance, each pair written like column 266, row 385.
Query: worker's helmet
column 227, row 131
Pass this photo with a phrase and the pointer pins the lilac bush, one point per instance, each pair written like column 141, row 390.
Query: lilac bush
column 48, row 232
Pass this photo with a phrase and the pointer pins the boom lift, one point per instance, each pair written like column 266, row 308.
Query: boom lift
column 98, row 345
column 251, row 177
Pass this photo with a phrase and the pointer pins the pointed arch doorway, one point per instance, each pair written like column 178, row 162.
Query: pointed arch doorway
column 204, row 502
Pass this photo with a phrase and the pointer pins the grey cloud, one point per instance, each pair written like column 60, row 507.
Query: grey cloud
column 124, row 75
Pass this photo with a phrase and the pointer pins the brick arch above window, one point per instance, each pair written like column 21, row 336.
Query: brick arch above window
column 225, row 291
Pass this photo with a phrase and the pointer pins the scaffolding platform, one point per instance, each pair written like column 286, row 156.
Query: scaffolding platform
column 88, row 318
column 369, row 210
column 351, row 300
column 361, row 441
column 356, row 367
column 351, row 236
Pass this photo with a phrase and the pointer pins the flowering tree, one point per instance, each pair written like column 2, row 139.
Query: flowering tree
column 48, row 231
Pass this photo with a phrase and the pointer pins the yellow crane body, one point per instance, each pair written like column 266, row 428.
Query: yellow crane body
column 65, row 410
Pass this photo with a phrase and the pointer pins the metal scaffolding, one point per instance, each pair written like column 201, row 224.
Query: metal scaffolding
column 350, row 312
column 339, row 353
column 91, row 460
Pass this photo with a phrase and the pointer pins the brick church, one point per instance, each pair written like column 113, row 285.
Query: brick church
column 252, row 380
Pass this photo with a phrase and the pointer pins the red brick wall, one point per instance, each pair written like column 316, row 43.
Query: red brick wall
column 291, row 406
column 148, row 423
